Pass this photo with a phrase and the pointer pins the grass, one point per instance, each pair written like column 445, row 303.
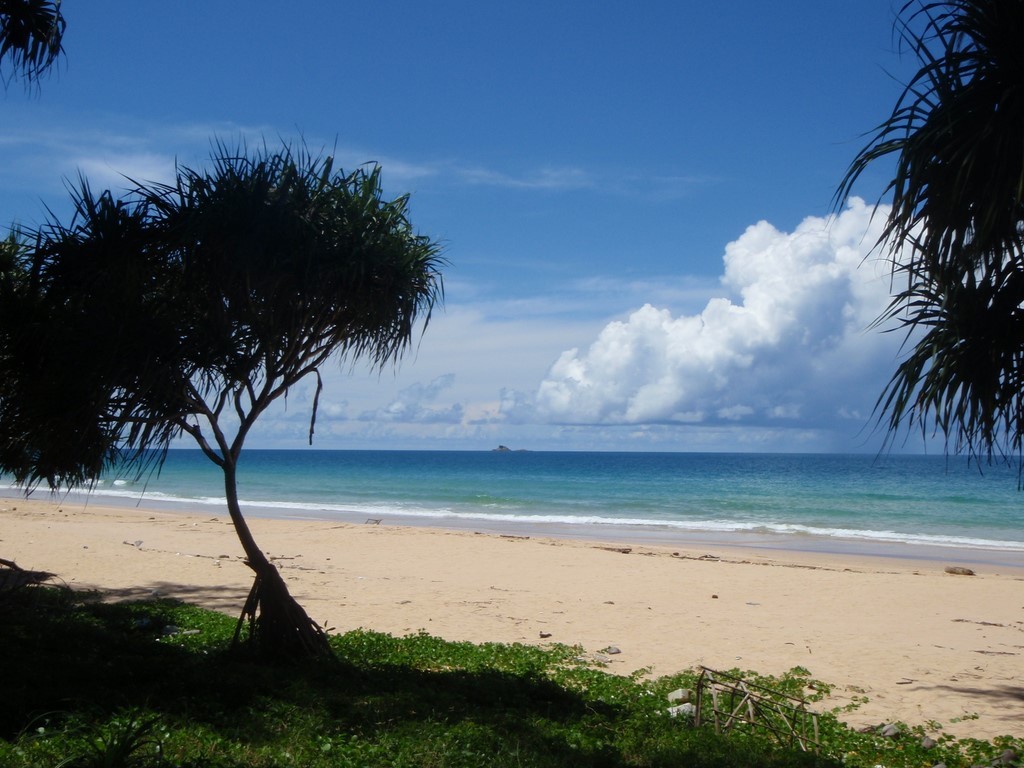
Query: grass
column 90, row 684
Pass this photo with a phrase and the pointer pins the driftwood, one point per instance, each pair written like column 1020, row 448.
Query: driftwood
column 735, row 701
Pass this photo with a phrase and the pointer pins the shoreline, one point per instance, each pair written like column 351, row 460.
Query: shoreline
column 922, row 645
column 779, row 544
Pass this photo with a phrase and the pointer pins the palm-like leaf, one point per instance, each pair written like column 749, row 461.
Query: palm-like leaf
column 160, row 311
column 297, row 263
column 30, row 35
column 190, row 308
column 956, row 227
column 82, row 344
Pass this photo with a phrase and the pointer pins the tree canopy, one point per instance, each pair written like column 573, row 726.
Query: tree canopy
column 188, row 308
column 31, row 32
column 955, row 231
column 148, row 316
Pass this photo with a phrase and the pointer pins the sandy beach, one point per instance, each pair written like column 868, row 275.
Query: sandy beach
column 921, row 644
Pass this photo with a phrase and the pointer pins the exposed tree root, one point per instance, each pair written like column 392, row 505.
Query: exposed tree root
column 279, row 628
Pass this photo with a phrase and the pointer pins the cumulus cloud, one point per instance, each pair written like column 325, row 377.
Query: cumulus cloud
column 785, row 345
column 412, row 405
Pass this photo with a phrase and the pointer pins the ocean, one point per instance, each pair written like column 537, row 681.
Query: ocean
column 896, row 505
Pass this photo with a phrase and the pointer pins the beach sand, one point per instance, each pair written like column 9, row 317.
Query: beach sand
column 921, row 644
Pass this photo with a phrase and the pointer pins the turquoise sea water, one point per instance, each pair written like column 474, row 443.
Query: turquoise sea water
column 862, row 503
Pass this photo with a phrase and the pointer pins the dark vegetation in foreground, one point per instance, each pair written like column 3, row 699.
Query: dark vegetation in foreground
column 153, row 684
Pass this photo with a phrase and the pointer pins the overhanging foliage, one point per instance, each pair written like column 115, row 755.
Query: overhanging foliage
column 955, row 232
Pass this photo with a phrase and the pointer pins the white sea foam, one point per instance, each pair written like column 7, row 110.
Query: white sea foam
column 693, row 526
column 585, row 523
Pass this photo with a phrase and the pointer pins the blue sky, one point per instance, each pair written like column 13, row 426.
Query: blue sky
column 633, row 201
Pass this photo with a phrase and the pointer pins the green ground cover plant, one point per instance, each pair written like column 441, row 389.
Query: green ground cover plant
column 154, row 684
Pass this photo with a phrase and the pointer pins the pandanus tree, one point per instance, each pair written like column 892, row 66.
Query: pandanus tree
column 188, row 309
column 31, row 32
column 955, row 230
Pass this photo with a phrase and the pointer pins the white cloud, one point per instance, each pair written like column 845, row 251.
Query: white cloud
column 773, row 354
column 545, row 178
column 117, row 170
column 412, row 405
column 779, row 358
column 786, row 345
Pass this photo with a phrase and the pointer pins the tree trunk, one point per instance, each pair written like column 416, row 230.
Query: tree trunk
column 278, row 626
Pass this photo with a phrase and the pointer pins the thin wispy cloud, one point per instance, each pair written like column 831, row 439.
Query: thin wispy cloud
column 122, row 170
column 414, row 405
column 108, row 156
column 681, row 292
column 626, row 182
column 109, row 150
column 543, row 179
